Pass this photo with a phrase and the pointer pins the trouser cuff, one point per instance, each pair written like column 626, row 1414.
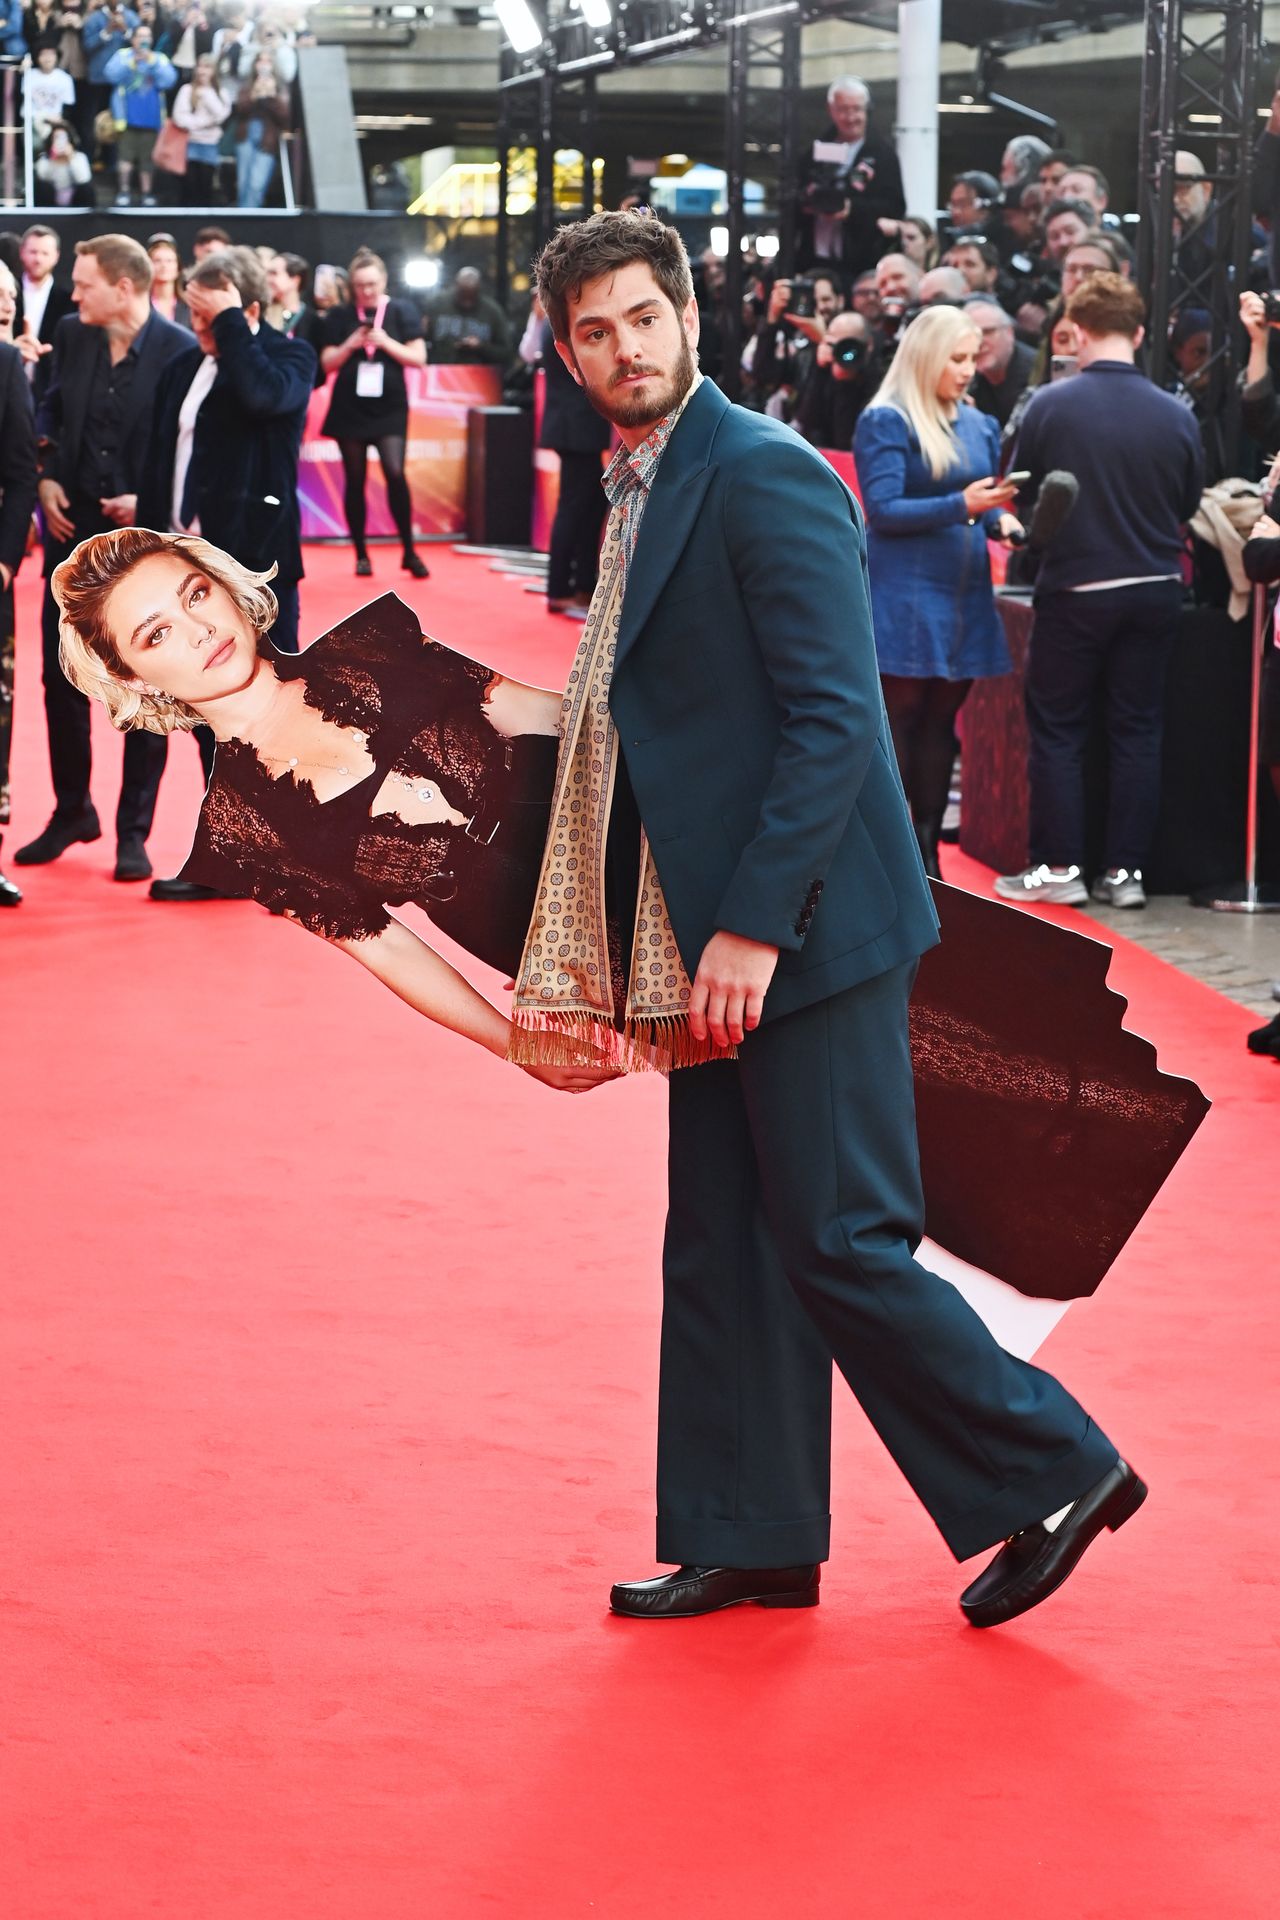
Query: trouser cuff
column 746, row 1543
column 1027, row 1501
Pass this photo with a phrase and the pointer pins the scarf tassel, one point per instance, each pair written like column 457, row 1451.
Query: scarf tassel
column 646, row 1043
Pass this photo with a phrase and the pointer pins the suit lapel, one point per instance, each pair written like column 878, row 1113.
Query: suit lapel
column 683, row 476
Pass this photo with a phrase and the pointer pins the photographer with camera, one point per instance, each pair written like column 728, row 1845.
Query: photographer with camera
column 841, row 380
column 794, row 322
column 853, row 181
column 898, row 290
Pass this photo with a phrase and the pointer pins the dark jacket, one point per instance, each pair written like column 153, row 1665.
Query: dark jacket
column 1260, row 411
column 879, row 197
column 57, row 307
column 244, row 458
column 61, row 413
column 17, row 458
column 1136, row 453
column 749, row 711
column 570, row 424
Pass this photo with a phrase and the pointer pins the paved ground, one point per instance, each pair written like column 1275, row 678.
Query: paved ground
column 1237, row 953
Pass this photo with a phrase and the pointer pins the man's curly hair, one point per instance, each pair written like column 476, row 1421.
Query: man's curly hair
column 589, row 248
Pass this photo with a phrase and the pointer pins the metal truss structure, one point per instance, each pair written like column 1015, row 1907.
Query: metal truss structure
column 1199, row 85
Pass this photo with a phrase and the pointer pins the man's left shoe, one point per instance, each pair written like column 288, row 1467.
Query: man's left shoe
column 1035, row 1562
column 10, row 896
column 1266, row 1039
column 414, row 564
column 1121, row 887
column 131, row 860
column 689, row 1591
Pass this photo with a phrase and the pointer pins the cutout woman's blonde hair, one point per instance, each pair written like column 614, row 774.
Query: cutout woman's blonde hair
column 911, row 385
column 87, row 648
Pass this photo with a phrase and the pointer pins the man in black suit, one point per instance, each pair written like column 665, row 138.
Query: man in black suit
column 92, row 427
column 572, row 428
column 225, row 439
column 852, row 183
column 42, row 303
column 17, row 498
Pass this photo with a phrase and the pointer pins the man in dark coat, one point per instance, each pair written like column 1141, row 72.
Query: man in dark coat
column 17, row 499
column 42, row 303
column 224, row 451
column 93, row 428
column 572, row 428
column 852, row 182
column 751, row 742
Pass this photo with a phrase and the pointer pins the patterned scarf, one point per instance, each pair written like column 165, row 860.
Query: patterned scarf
column 563, row 1011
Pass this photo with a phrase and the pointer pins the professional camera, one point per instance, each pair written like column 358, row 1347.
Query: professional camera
column 1271, row 309
column 803, row 302
column 833, row 185
column 850, row 353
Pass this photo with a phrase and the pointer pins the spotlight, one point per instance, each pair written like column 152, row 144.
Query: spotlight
column 519, row 24
column 720, row 242
column 767, row 245
column 422, row 273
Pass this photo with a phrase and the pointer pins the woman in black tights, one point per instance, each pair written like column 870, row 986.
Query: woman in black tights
column 927, row 464
column 368, row 345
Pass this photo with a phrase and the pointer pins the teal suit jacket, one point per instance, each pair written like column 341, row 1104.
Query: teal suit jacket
column 748, row 706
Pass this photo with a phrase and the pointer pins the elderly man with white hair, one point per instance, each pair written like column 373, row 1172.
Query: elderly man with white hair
column 851, row 183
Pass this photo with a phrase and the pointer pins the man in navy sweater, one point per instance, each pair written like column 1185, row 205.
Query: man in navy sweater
column 1107, row 596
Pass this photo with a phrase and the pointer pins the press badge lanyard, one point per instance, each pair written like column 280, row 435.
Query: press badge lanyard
column 371, row 373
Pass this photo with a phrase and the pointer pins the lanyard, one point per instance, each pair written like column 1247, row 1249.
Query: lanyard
column 379, row 314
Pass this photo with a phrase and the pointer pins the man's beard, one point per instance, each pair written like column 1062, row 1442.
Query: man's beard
column 627, row 409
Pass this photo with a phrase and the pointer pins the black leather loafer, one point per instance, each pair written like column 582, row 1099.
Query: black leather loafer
column 1035, row 1562
column 182, row 890
column 63, row 831
column 10, row 896
column 690, row 1591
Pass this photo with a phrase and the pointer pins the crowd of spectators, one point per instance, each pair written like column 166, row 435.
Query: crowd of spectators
column 138, row 103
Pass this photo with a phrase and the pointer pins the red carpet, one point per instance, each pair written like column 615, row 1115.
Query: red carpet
column 328, row 1418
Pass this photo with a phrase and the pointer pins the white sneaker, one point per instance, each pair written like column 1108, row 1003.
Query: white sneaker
column 1120, row 888
column 1064, row 889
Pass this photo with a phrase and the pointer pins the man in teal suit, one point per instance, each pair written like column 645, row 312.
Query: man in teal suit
column 740, row 724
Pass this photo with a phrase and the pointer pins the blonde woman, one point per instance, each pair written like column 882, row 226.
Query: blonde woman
column 927, row 467
column 374, row 770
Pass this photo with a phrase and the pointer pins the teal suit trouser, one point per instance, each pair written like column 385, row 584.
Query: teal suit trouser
column 795, row 1210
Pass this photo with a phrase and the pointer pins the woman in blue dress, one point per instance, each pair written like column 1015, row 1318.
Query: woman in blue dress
column 927, row 468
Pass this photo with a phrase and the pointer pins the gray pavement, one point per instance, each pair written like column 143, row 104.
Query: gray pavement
column 1238, row 954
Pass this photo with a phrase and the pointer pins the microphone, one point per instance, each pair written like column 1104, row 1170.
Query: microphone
column 1054, row 506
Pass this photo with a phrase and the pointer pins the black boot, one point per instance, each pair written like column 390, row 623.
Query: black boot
column 927, row 831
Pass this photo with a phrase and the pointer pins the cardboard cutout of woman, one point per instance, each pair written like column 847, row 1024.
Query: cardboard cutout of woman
column 379, row 768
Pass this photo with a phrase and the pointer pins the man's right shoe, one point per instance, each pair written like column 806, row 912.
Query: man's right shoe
column 10, row 896
column 1064, row 889
column 182, row 890
column 690, row 1591
column 61, row 833
column 1266, row 1039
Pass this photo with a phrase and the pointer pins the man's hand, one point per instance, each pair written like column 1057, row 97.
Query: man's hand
column 31, row 349
column 729, row 988
column 779, row 301
column 1009, row 525
column 1253, row 317
column 1265, row 528
column 122, row 508
column 809, row 325
column 206, row 303
column 56, row 509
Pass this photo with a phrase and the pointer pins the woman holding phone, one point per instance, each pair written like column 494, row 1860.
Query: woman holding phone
column 368, row 345
column 928, row 465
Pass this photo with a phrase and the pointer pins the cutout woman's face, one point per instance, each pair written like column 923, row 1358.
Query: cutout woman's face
column 178, row 630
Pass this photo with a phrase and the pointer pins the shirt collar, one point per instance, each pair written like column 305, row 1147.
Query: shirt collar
column 626, row 471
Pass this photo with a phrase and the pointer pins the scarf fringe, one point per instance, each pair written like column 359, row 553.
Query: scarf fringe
column 647, row 1043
